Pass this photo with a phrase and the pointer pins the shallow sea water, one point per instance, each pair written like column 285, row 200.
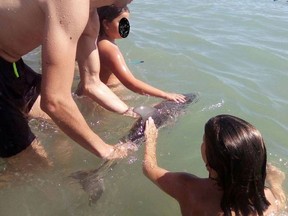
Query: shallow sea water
column 233, row 53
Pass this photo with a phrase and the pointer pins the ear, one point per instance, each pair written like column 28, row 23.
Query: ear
column 105, row 24
column 208, row 168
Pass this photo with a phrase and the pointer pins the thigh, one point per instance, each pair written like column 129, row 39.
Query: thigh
column 15, row 133
column 31, row 159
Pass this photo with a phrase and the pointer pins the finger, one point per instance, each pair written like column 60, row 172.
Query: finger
column 181, row 98
column 152, row 125
column 149, row 121
column 147, row 124
column 132, row 146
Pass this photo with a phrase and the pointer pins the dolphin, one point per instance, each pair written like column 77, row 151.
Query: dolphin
column 165, row 112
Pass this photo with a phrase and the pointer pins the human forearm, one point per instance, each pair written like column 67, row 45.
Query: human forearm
column 150, row 160
column 143, row 88
column 59, row 45
column 89, row 67
column 67, row 116
column 150, row 166
column 100, row 93
column 140, row 87
column 159, row 176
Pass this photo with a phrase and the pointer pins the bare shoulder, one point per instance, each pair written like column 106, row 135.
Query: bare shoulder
column 201, row 195
column 108, row 50
column 67, row 14
column 190, row 185
column 187, row 178
column 196, row 184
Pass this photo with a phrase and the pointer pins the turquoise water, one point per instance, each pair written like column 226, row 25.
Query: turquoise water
column 233, row 53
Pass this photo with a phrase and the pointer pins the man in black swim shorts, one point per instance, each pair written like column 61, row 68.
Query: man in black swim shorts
column 65, row 31
column 19, row 89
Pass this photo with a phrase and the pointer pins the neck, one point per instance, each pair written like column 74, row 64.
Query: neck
column 105, row 37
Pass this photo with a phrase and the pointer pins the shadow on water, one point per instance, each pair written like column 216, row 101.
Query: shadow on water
column 92, row 181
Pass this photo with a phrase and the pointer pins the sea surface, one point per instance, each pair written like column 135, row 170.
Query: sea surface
column 234, row 54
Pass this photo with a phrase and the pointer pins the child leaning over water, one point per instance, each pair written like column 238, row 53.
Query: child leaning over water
column 235, row 156
column 114, row 25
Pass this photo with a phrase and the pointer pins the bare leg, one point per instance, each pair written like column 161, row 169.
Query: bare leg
column 32, row 158
column 36, row 111
column 19, row 167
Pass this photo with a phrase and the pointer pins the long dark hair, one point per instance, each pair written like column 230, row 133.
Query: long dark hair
column 236, row 151
column 109, row 13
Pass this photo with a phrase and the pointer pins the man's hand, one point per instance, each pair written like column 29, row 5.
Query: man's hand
column 122, row 150
column 130, row 112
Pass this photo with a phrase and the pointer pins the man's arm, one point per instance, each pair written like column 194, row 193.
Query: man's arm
column 89, row 67
column 65, row 21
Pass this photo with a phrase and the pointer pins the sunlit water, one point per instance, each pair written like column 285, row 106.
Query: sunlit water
column 233, row 53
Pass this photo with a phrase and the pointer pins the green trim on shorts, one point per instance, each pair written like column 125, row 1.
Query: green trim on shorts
column 15, row 70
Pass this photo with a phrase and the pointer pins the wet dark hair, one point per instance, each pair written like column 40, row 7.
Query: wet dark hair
column 109, row 13
column 236, row 151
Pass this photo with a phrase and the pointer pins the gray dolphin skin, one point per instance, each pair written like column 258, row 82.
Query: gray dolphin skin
column 165, row 112
column 162, row 113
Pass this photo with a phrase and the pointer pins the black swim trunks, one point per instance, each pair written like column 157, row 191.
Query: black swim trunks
column 19, row 89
